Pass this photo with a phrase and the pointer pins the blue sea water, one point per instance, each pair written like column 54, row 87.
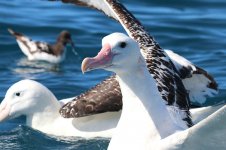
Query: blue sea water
column 195, row 29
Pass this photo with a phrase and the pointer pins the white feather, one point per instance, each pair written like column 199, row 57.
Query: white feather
column 41, row 109
column 100, row 5
column 197, row 84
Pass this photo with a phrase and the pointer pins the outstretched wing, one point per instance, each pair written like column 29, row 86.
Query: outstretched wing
column 189, row 73
column 198, row 83
column 153, row 54
column 160, row 66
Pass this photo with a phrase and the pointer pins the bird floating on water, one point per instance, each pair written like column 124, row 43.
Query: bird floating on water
column 41, row 109
column 42, row 51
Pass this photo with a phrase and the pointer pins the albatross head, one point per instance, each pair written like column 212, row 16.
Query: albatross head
column 25, row 97
column 117, row 50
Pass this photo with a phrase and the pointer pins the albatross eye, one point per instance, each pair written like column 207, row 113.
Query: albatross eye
column 123, row 44
column 17, row 94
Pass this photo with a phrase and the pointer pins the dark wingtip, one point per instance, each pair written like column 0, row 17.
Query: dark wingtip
column 213, row 84
column 16, row 34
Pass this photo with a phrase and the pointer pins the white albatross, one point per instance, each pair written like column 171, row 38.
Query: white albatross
column 106, row 96
column 41, row 108
column 145, row 122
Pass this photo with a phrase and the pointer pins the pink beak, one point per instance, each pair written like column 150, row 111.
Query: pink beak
column 4, row 110
column 103, row 58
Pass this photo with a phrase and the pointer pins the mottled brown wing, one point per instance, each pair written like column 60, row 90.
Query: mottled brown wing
column 44, row 47
column 104, row 97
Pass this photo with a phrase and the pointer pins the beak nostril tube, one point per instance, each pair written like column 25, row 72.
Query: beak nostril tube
column 103, row 58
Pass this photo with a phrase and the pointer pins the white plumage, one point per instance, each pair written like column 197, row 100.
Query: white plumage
column 41, row 109
column 145, row 122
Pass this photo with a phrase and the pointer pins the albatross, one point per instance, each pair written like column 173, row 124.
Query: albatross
column 41, row 109
column 106, row 96
column 146, row 121
column 42, row 51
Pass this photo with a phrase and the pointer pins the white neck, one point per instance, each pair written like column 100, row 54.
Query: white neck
column 144, row 114
column 45, row 114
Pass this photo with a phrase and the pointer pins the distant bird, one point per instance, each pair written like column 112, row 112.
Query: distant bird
column 43, row 51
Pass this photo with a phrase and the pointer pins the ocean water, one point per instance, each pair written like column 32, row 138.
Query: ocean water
column 195, row 29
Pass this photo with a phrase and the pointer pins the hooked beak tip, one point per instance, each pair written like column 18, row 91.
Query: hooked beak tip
column 4, row 111
column 103, row 57
column 85, row 66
